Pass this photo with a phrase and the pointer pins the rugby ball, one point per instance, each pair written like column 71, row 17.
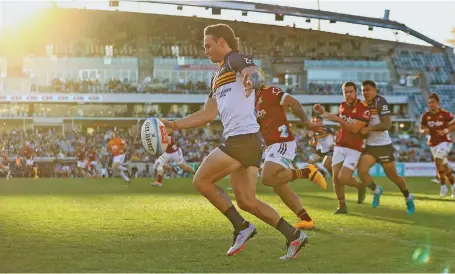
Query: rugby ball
column 154, row 136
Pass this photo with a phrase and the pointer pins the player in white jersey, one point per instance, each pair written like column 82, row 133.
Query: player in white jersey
column 239, row 156
column 325, row 143
column 379, row 147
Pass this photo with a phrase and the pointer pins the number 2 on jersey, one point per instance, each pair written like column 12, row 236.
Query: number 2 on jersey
column 284, row 131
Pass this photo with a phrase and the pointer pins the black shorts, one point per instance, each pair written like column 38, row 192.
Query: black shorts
column 246, row 148
column 382, row 154
column 322, row 155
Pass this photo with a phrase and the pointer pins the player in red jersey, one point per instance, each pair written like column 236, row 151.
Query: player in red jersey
column 173, row 154
column 270, row 107
column 352, row 116
column 81, row 162
column 437, row 122
column 5, row 164
column 28, row 153
column 92, row 161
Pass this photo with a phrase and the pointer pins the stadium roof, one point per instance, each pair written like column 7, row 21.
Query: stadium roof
column 301, row 12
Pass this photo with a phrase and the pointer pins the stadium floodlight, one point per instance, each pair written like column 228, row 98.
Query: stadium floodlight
column 279, row 17
column 216, row 11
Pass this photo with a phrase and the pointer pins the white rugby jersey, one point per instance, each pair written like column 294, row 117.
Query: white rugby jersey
column 324, row 141
column 235, row 109
column 378, row 108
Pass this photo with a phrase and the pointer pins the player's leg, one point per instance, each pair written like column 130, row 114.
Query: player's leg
column 440, row 153
column 449, row 174
column 327, row 162
column 366, row 162
column 179, row 159
column 339, row 188
column 282, row 154
column 117, row 164
column 391, row 173
column 159, row 169
column 345, row 175
column 243, row 183
column 287, row 195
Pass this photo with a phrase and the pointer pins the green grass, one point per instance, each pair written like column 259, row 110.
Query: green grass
column 86, row 225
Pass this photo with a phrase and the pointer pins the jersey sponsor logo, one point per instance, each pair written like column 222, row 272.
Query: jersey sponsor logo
column 221, row 94
column 366, row 113
column 435, row 123
column 261, row 114
column 347, row 119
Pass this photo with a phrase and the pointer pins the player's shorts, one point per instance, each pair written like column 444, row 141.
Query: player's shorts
column 175, row 157
column 119, row 159
column 281, row 153
column 441, row 151
column 30, row 162
column 245, row 148
column 382, row 154
column 81, row 164
column 348, row 156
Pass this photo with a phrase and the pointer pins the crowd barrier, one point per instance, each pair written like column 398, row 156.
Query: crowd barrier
column 404, row 169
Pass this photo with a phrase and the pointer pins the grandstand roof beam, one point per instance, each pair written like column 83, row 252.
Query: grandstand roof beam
column 301, row 12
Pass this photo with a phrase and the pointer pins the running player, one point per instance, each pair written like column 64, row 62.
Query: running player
column 28, row 152
column 173, row 154
column 353, row 115
column 5, row 164
column 239, row 156
column 281, row 148
column 117, row 147
column 81, row 162
column 324, row 142
column 436, row 122
column 379, row 147
column 92, row 161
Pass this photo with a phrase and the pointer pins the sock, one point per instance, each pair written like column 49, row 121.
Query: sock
column 372, row 186
column 236, row 219
column 405, row 193
column 287, row 230
column 35, row 169
column 300, row 173
column 159, row 178
column 122, row 173
column 341, row 201
column 303, row 215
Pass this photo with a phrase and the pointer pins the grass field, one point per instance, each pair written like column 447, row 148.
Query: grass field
column 86, row 225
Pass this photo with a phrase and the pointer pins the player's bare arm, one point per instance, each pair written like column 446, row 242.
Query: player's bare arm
column 351, row 127
column 252, row 79
column 385, row 124
column 299, row 111
column 197, row 119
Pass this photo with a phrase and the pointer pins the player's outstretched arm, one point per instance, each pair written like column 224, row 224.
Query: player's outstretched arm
column 197, row 119
column 299, row 111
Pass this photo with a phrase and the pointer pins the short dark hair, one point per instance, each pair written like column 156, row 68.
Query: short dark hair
column 223, row 31
column 349, row 84
column 434, row 96
column 369, row 83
